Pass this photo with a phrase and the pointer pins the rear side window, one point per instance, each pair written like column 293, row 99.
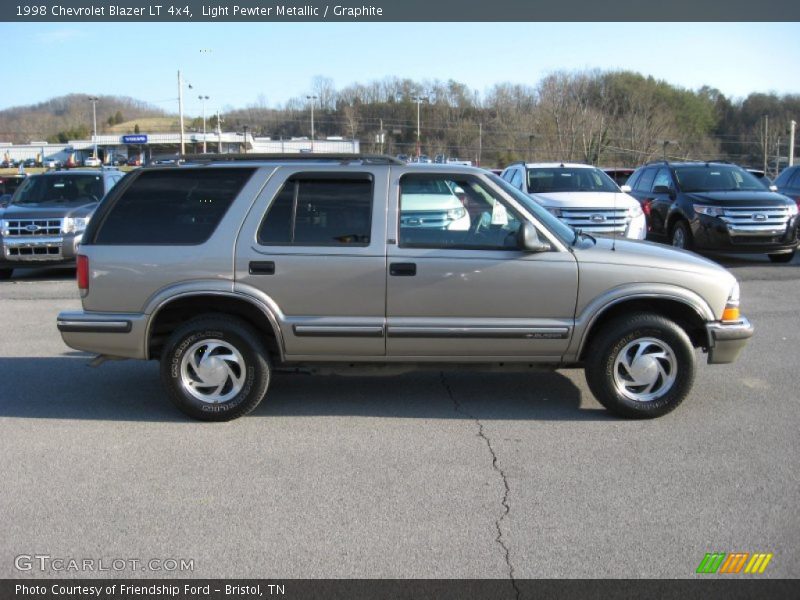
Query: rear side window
column 172, row 206
column 645, row 182
column 324, row 211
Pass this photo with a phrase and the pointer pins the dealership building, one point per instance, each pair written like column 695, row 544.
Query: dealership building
column 147, row 145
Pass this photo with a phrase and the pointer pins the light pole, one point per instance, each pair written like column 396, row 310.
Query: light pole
column 245, row 138
column 418, row 99
column 93, row 100
column 312, row 98
column 180, row 109
column 203, row 100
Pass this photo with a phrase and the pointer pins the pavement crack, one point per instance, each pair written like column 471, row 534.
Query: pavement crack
column 500, row 540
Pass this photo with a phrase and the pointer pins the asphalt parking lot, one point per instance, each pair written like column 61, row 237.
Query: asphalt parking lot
column 429, row 474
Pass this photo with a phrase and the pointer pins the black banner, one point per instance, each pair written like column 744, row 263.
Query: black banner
column 400, row 11
column 400, row 589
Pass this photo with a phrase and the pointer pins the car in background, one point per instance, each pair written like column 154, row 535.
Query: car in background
column 581, row 195
column 433, row 204
column 620, row 175
column 92, row 161
column 762, row 177
column 788, row 183
column 44, row 223
column 29, row 162
column 715, row 206
column 134, row 161
column 9, row 185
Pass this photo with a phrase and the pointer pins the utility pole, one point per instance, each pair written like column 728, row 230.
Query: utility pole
column 418, row 99
column 766, row 147
column 312, row 98
column 480, row 143
column 180, row 110
column 245, row 138
column 203, row 100
column 219, row 132
column 792, row 127
column 381, row 136
column 93, row 100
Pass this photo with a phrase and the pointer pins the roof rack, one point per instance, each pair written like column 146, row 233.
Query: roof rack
column 372, row 159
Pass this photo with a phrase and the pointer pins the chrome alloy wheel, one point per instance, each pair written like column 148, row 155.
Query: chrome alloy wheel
column 645, row 369
column 213, row 371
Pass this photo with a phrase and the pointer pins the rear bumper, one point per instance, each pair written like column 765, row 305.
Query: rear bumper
column 113, row 334
column 726, row 340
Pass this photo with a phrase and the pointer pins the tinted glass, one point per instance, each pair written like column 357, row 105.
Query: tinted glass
column 320, row 212
column 634, row 179
column 662, row 178
column 468, row 216
column 716, row 178
column 172, row 206
column 645, row 182
column 566, row 179
column 783, row 179
column 794, row 182
column 60, row 189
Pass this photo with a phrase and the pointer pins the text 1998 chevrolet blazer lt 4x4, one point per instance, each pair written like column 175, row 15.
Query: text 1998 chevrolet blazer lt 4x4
column 225, row 267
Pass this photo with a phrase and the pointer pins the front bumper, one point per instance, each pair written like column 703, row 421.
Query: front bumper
column 33, row 251
column 726, row 340
column 712, row 233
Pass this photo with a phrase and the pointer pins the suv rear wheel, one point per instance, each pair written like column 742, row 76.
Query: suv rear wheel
column 640, row 366
column 215, row 368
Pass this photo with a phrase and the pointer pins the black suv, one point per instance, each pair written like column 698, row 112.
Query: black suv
column 788, row 182
column 715, row 206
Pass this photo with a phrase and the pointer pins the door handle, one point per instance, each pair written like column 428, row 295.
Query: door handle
column 262, row 267
column 402, row 269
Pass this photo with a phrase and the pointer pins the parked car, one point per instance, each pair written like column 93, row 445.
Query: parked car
column 788, row 183
column 134, row 161
column 716, row 206
column 29, row 162
column 44, row 223
column 52, row 163
column 10, row 183
column 92, row 161
column 580, row 195
column 228, row 268
column 620, row 175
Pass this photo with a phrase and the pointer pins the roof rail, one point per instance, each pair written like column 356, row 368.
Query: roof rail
column 373, row 159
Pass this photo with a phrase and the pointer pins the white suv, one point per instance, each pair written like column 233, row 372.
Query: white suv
column 582, row 196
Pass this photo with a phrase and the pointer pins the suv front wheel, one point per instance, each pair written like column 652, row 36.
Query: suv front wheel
column 640, row 366
column 682, row 236
column 215, row 368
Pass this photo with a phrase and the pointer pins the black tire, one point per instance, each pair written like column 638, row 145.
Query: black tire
column 786, row 257
column 681, row 236
column 234, row 333
column 601, row 364
column 6, row 273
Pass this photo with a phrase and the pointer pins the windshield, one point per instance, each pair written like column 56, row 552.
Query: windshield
column 543, row 180
column 560, row 229
column 67, row 189
column 716, row 178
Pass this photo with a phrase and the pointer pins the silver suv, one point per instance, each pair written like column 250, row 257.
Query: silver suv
column 227, row 267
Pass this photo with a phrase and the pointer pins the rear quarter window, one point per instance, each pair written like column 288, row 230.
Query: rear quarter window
column 171, row 206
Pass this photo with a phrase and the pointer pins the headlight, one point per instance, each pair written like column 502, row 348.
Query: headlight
column 456, row 213
column 793, row 209
column 733, row 297
column 74, row 224
column 556, row 212
column 731, row 312
column 635, row 211
column 711, row 211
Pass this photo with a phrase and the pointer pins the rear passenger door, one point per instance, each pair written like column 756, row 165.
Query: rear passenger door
column 314, row 244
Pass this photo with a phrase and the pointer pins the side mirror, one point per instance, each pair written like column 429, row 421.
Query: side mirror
column 626, row 189
column 528, row 239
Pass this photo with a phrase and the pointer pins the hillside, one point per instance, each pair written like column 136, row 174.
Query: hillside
column 70, row 117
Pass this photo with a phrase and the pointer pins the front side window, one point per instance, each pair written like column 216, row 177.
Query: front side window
column 543, row 180
column 172, row 206
column 645, row 182
column 320, row 211
column 454, row 211
column 662, row 178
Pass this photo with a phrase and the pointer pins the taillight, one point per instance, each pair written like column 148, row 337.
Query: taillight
column 646, row 206
column 83, row 272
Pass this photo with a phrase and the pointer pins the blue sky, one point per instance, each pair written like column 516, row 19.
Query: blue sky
column 244, row 62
